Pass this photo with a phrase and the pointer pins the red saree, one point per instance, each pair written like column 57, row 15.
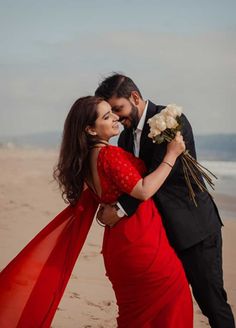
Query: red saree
column 147, row 277
column 32, row 284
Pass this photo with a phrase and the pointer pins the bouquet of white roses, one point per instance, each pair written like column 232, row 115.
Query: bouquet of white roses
column 163, row 127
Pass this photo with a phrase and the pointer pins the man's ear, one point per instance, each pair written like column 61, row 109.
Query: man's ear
column 90, row 131
column 135, row 98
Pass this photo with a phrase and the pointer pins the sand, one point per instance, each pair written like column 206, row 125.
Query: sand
column 29, row 199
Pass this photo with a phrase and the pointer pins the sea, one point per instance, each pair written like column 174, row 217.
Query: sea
column 225, row 186
column 226, row 176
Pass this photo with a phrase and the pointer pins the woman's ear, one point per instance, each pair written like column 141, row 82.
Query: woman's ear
column 90, row 131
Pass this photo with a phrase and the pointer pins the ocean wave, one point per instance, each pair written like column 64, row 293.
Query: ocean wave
column 221, row 168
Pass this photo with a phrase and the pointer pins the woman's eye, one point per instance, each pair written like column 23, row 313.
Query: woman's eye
column 107, row 116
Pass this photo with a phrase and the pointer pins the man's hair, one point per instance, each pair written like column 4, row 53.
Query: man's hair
column 117, row 85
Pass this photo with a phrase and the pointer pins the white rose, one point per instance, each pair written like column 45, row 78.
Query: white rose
column 160, row 123
column 167, row 112
column 152, row 122
column 173, row 110
column 171, row 123
column 154, row 132
column 157, row 122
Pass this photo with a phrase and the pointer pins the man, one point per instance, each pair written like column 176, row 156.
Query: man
column 194, row 232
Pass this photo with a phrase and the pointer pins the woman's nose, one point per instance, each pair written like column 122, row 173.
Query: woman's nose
column 115, row 117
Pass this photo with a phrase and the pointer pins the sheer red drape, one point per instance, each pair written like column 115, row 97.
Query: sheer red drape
column 33, row 283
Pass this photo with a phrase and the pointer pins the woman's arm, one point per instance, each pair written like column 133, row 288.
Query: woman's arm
column 148, row 186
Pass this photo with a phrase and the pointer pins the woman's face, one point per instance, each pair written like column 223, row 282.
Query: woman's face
column 106, row 125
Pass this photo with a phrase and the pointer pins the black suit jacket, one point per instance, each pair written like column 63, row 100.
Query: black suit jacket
column 185, row 224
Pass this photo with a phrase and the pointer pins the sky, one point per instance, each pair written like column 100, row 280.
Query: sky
column 53, row 52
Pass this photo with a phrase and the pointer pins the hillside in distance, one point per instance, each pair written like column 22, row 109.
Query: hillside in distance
column 221, row 147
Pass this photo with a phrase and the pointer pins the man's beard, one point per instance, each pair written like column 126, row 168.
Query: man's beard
column 133, row 118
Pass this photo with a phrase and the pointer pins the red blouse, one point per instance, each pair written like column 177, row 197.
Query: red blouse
column 118, row 171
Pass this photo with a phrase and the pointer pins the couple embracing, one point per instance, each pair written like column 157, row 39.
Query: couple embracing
column 193, row 231
column 156, row 241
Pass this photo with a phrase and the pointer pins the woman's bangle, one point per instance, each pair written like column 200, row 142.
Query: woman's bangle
column 168, row 164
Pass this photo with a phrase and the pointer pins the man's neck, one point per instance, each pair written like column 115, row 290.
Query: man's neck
column 141, row 108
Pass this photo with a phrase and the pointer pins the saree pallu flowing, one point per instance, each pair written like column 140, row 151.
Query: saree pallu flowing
column 32, row 284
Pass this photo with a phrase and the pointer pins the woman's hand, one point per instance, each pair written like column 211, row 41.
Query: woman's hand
column 176, row 146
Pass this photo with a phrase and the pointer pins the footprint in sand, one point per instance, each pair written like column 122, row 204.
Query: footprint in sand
column 107, row 303
column 75, row 295
column 60, row 309
column 101, row 305
column 90, row 255
column 95, row 305
column 93, row 245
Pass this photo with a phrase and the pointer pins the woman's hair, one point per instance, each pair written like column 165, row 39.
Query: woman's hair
column 72, row 166
column 117, row 85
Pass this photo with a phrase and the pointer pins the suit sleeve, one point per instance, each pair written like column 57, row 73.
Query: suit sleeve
column 188, row 135
column 128, row 203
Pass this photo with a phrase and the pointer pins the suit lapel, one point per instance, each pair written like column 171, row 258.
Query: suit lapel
column 131, row 142
column 127, row 141
column 146, row 143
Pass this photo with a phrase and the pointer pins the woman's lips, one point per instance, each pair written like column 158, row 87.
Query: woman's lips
column 116, row 126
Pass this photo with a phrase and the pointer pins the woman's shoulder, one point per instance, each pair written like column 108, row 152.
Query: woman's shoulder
column 112, row 149
column 116, row 157
column 114, row 153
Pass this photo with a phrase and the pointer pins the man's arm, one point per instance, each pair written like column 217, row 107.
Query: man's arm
column 129, row 203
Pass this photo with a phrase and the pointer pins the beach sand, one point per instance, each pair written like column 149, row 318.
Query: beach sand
column 29, row 200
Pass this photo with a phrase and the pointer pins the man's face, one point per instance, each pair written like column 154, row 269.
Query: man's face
column 126, row 110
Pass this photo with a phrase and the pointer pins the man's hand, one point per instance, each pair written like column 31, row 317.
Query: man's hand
column 107, row 215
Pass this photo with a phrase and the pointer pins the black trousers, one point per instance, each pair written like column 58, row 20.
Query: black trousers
column 203, row 267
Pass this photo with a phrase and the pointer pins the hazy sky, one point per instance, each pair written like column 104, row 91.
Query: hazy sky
column 54, row 51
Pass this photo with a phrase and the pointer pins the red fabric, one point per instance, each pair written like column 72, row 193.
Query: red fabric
column 33, row 283
column 121, row 171
column 147, row 277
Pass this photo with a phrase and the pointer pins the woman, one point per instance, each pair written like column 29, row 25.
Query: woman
column 147, row 277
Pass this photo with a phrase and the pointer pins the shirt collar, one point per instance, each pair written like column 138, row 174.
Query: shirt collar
column 142, row 119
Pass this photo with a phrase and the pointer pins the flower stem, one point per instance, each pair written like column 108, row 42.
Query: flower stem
column 188, row 182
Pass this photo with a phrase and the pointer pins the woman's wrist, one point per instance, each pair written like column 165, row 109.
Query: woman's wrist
column 167, row 163
column 170, row 159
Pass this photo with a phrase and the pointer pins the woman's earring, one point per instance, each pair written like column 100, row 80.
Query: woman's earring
column 92, row 133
